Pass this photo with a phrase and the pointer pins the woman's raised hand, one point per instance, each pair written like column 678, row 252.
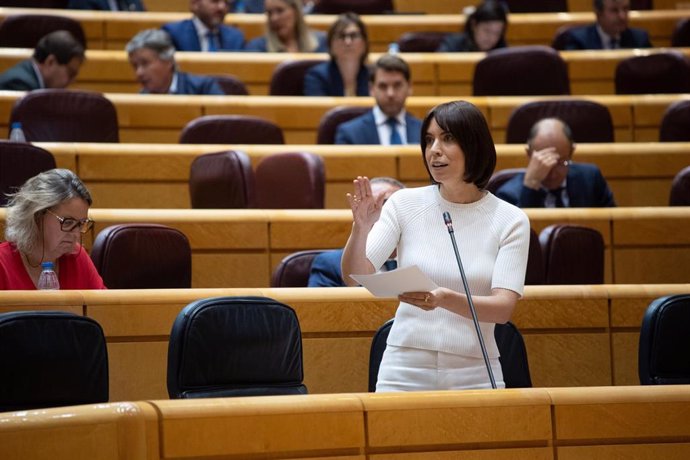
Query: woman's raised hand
column 366, row 208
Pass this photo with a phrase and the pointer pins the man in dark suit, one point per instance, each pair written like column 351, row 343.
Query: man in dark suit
column 54, row 64
column 205, row 30
column 325, row 268
column 152, row 56
column 611, row 30
column 387, row 123
column 552, row 179
column 106, row 5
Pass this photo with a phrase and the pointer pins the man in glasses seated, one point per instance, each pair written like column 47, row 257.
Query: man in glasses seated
column 45, row 221
column 552, row 179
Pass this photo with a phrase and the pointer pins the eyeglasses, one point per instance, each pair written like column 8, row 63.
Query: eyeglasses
column 564, row 163
column 349, row 35
column 67, row 224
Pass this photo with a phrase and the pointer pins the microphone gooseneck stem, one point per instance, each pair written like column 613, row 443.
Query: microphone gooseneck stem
column 451, row 232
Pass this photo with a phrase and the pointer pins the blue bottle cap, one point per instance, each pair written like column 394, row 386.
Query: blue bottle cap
column 16, row 124
column 47, row 265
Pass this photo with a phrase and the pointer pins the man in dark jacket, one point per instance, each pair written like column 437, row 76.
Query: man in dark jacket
column 152, row 57
column 54, row 64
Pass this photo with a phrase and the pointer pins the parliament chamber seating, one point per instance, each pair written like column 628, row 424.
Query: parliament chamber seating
column 20, row 161
column 290, row 180
column 293, row 270
column 25, row 30
column 589, row 121
column 510, row 72
column 661, row 73
column 51, row 359
column 328, row 125
column 143, row 256
column 681, row 33
column 287, row 78
column 420, row 42
column 664, row 342
column 356, row 6
column 572, row 254
column 58, row 115
column 675, row 124
column 221, row 180
column 680, row 188
column 235, row 346
column 537, row 6
column 231, row 85
column 231, row 129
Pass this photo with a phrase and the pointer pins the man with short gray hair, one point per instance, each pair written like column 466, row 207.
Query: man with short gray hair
column 152, row 57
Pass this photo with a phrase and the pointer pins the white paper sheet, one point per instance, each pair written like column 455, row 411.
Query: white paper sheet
column 395, row 282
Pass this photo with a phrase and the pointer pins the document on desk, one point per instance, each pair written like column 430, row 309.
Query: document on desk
column 395, row 282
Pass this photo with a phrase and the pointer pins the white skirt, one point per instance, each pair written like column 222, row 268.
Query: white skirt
column 413, row 369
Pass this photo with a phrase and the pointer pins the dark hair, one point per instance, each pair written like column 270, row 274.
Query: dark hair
column 598, row 5
column 341, row 23
column 469, row 128
column 60, row 44
column 391, row 63
column 534, row 131
column 485, row 12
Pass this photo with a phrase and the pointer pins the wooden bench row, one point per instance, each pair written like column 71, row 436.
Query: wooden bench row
column 157, row 175
column 433, row 74
column 160, row 118
column 112, row 30
column 421, row 6
column 541, row 424
column 575, row 335
column 240, row 248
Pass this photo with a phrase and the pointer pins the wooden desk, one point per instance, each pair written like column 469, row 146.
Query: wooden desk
column 156, row 175
column 575, row 335
column 112, row 30
column 240, row 248
column 160, row 118
column 433, row 74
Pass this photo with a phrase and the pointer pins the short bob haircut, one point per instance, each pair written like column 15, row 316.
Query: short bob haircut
column 29, row 203
column 341, row 24
column 468, row 126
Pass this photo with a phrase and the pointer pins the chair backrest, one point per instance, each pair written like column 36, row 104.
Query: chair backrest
column 356, row 6
column 59, row 115
column 293, row 270
column 502, row 176
column 143, row 256
column 537, row 6
column 675, row 125
column 420, row 42
column 661, row 73
column 51, row 359
column 18, row 162
column 332, row 119
column 589, row 121
column 235, row 346
column 222, row 180
column 572, row 254
column 681, row 33
column 293, row 180
column 511, row 347
column 641, row 4
column 514, row 362
column 231, row 85
column 561, row 37
column 534, row 275
column 25, row 30
column 510, row 72
column 288, row 77
column 680, row 189
column 665, row 342
column 231, row 129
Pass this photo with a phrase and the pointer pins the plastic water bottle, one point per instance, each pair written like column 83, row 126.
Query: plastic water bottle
column 393, row 48
column 239, row 6
column 16, row 132
column 48, row 279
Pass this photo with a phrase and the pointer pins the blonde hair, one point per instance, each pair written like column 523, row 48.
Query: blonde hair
column 306, row 40
column 29, row 203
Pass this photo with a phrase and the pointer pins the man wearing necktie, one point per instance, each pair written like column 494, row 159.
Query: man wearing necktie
column 552, row 179
column 388, row 123
column 325, row 268
column 206, row 30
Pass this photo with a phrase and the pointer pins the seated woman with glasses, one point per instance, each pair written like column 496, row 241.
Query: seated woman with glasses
column 346, row 73
column 286, row 31
column 45, row 221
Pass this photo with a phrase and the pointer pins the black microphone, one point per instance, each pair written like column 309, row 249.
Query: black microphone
column 451, row 232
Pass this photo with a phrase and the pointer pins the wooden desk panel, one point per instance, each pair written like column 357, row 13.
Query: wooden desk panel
column 160, row 118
